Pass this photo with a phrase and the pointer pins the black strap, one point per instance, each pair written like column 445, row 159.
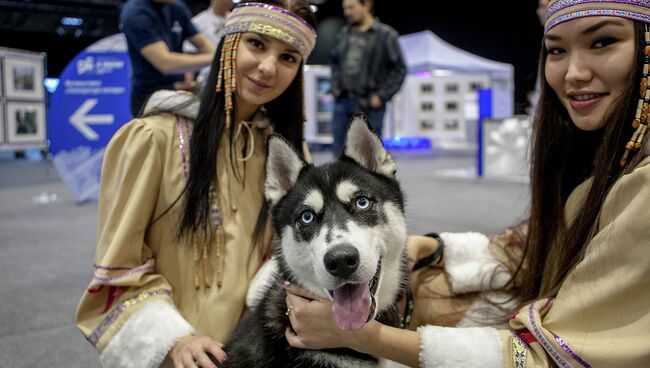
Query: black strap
column 433, row 258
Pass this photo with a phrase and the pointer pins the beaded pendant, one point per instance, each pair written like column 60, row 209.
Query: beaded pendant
column 640, row 122
column 212, row 232
column 217, row 233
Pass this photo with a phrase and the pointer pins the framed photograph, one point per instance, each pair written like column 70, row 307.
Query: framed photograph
column 25, row 122
column 3, row 122
column 23, row 78
column 426, row 88
column 426, row 106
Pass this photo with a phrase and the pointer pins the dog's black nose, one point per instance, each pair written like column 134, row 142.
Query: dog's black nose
column 342, row 260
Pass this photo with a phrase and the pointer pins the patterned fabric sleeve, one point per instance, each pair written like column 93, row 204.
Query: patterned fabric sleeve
column 111, row 313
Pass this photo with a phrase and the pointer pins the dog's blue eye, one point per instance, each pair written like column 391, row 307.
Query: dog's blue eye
column 307, row 217
column 363, row 203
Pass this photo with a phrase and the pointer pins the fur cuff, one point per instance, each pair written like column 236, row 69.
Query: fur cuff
column 470, row 264
column 452, row 347
column 146, row 338
column 261, row 282
column 182, row 103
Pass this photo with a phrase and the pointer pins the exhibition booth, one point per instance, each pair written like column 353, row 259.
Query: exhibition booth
column 438, row 103
column 450, row 100
column 439, row 98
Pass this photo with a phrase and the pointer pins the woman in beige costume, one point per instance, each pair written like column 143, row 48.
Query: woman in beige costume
column 182, row 227
column 581, row 265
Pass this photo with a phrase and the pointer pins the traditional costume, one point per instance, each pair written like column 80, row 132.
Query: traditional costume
column 151, row 286
column 600, row 316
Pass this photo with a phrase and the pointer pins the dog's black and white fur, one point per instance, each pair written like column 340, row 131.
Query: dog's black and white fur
column 339, row 226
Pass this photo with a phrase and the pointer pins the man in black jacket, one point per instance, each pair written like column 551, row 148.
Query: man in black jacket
column 367, row 69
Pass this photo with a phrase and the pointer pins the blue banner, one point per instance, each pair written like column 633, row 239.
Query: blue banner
column 90, row 104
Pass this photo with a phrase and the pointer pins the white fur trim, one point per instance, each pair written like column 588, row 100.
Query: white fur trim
column 167, row 100
column 147, row 337
column 452, row 347
column 470, row 264
column 170, row 101
column 261, row 281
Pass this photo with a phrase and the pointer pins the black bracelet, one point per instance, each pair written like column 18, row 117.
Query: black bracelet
column 434, row 257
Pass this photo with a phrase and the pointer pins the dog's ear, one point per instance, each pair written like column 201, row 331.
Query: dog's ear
column 364, row 146
column 283, row 164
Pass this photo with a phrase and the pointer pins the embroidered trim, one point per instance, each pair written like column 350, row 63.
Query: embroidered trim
column 97, row 334
column 110, row 268
column 188, row 132
column 283, row 11
column 526, row 337
column 139, row 269
column 519, row 352
column 561, row 362
column 181, row 139
column 598, row 12
column 568, row 350
column 561, row 4
column 272, row 21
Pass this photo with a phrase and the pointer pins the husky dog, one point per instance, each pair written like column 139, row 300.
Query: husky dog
column 339, row 232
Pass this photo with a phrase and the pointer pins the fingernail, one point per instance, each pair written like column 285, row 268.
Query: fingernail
column 223, row 358
column 286, row 284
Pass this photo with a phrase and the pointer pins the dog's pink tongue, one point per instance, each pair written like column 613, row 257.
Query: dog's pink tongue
column 351, row 306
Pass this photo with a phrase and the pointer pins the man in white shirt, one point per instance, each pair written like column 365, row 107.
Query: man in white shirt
column 210, row 22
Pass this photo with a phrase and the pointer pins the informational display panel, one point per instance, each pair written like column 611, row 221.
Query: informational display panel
column 23, row 101
column 89, row 106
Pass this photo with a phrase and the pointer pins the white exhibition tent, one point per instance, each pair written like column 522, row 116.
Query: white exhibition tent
column 424, row 51
column 112, row 43
column 427, row 55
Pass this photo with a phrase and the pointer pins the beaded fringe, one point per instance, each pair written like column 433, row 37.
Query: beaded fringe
column 640, row 122
column 201, row 257
column 227, row 77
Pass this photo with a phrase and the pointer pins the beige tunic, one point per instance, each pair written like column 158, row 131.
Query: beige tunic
column 139, row 257
column 600, row 316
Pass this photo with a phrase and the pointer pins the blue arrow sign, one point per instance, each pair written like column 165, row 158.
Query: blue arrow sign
column 89, row 106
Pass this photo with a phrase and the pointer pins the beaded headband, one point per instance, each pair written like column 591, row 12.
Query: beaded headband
column 560, row 11
column 274, row 22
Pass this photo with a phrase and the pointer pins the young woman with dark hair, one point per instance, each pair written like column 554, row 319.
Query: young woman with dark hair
column 578, row 271
column 182, row 224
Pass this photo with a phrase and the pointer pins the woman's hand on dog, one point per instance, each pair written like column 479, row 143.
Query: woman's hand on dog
column 313, row 323
column 192, row 351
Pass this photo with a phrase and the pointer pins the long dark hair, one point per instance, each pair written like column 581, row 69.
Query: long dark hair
column 562, row 157
column 286, row 112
